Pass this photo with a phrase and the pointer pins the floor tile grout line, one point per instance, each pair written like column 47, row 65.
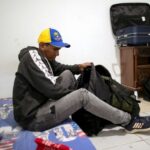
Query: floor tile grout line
column 124, row 144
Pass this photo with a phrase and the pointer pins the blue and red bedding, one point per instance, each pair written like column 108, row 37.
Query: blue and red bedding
column 13, row 137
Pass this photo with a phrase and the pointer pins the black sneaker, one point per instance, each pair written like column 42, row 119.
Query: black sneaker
column 138, row 124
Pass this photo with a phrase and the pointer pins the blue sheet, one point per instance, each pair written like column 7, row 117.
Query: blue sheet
column 14, row 137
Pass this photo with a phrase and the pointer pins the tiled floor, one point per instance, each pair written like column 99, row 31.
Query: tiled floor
column 117, row 139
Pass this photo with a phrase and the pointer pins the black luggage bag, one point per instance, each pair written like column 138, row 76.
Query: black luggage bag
column 131, row 23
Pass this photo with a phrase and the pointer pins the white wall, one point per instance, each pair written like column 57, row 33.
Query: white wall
column 85, row 24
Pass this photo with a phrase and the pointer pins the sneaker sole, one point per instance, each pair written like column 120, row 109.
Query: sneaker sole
column 137, row 130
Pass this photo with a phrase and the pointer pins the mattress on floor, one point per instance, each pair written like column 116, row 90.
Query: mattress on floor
column 12, row 136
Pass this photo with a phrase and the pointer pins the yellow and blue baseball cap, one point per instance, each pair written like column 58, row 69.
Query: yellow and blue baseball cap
column 52, row 37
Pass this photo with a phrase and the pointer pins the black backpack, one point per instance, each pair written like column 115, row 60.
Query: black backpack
column 122, row 98
column 111, row 92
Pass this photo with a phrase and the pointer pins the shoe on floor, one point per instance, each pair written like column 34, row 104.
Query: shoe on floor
column 138, row 124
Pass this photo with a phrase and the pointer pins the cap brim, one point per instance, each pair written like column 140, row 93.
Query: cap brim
column 60, row 44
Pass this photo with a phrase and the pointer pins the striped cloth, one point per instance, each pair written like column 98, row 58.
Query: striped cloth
column 7, row 144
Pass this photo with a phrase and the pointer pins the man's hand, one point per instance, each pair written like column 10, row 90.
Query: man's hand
column 84, row 65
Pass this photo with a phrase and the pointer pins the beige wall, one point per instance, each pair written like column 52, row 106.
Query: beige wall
column 85, row 24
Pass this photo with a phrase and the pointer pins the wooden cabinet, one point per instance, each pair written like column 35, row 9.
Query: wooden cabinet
column 135, row 65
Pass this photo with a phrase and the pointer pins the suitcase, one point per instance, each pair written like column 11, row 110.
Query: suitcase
column 131, row 23
column 134, row 35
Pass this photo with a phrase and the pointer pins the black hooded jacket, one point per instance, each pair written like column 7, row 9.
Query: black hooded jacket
column 35, row 83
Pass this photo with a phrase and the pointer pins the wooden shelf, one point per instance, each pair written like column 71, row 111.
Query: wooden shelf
column 143, row 66
column 135, row 65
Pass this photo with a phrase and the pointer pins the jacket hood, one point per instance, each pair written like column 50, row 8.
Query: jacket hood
column 24, row 51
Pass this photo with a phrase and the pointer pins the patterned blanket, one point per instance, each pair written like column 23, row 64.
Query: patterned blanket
column 13, row 137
